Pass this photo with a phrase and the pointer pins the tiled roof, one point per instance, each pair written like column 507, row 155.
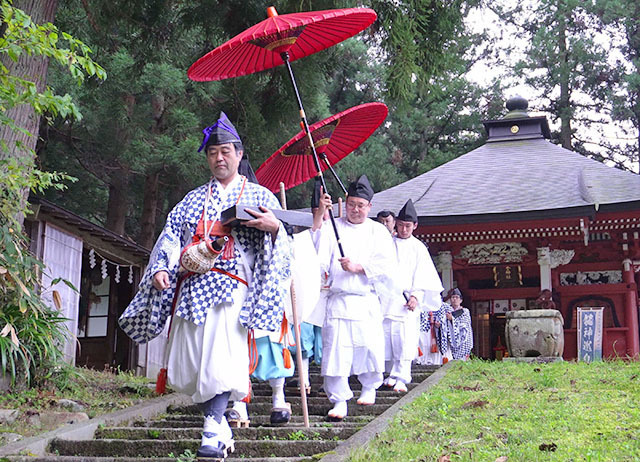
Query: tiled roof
column 512, row 176
column 120, row 246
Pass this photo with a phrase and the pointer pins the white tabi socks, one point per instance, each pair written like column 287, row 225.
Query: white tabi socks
column 305, row 372
column 241, row 408
column 339, row 410
column 277, row 392
column 214, row 432
column 367, row 396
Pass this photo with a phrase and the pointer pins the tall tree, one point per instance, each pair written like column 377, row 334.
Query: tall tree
column 569, row 65
column 415, row 39
column 32, row 332
column 26, row 45
column 621, row 20
column 30, row 68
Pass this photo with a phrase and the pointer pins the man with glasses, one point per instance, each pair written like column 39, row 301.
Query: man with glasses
column 352, row 335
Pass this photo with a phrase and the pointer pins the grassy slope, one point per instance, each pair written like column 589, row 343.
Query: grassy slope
column 482, row 411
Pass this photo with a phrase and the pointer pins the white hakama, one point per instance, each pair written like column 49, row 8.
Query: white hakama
column 352, row 334
column 212, row 358
column 417, row 277
column 401, row 345
column 352, row 347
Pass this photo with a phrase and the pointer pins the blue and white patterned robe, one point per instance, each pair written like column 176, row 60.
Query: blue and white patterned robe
column 268, row 265
column 455, row 334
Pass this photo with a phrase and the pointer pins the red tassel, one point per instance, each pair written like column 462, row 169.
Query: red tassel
column 286, row 355
column 161, row 381
column 445, row 360
column 247, row 399
column 434, row 345
column 253, row 351
column 228, row 252
column 419, row 351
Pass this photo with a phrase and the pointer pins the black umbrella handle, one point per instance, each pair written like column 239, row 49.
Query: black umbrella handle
column 324, row 158
column 316, row 161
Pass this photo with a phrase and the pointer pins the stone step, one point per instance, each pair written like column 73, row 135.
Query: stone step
column 187, row 421
column 317, row 391
column 256, row 406
column 314, row 369
column 320, row 408
column 416, row 377
column 252, row 433
column 382, row 392
column 317, row 383
column 162, row 448
column 381, row 398
column 176, row 434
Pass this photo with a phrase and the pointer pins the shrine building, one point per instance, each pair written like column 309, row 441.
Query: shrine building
column 521, row 214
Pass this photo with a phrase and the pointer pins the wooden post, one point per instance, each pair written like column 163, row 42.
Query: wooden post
column 283, row 197
column 296, row 327
column 303, row 384
column 631, row 310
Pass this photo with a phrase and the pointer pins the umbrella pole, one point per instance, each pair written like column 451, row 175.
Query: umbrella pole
column 333, row 172
column 305, row 126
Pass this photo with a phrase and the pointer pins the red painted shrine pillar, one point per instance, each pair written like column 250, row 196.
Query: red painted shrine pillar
column 631, row 310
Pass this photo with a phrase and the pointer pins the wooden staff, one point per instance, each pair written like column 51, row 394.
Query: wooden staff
column 283, row 197
column 296, row 327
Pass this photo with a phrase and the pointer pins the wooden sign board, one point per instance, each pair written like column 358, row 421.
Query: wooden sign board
column 589, row 334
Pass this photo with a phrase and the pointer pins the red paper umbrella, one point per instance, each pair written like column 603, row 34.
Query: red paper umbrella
column 262, row 46
column 280, row 40
column 333, row 138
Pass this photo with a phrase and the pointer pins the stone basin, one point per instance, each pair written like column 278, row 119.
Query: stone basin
column 531, row 333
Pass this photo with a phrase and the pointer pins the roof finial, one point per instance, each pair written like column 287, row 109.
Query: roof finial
column 517, row 106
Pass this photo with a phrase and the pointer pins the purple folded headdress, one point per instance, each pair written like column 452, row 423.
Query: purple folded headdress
column 221, row 132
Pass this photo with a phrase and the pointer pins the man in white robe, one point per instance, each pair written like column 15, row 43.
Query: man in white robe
column 352, row 335
column 313, row 320
column 419, row 287
column 208, row 356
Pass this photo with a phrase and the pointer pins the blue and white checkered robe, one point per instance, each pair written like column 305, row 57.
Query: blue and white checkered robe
column 456, row 333
column 425, row 325
column 263, row 308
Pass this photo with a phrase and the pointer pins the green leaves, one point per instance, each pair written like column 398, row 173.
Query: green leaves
column 23, row 36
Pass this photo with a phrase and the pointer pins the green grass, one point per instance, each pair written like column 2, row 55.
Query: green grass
column 481, row 411
column 99, row 392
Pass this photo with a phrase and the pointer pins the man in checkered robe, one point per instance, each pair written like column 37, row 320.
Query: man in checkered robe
column 208, row 356
column 453, row 322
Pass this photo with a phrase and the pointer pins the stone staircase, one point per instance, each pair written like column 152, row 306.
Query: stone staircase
column 175, row 435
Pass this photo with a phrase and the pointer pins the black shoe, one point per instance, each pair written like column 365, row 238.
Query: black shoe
column 280, row 415
column 293, row 382
column 212, row 452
